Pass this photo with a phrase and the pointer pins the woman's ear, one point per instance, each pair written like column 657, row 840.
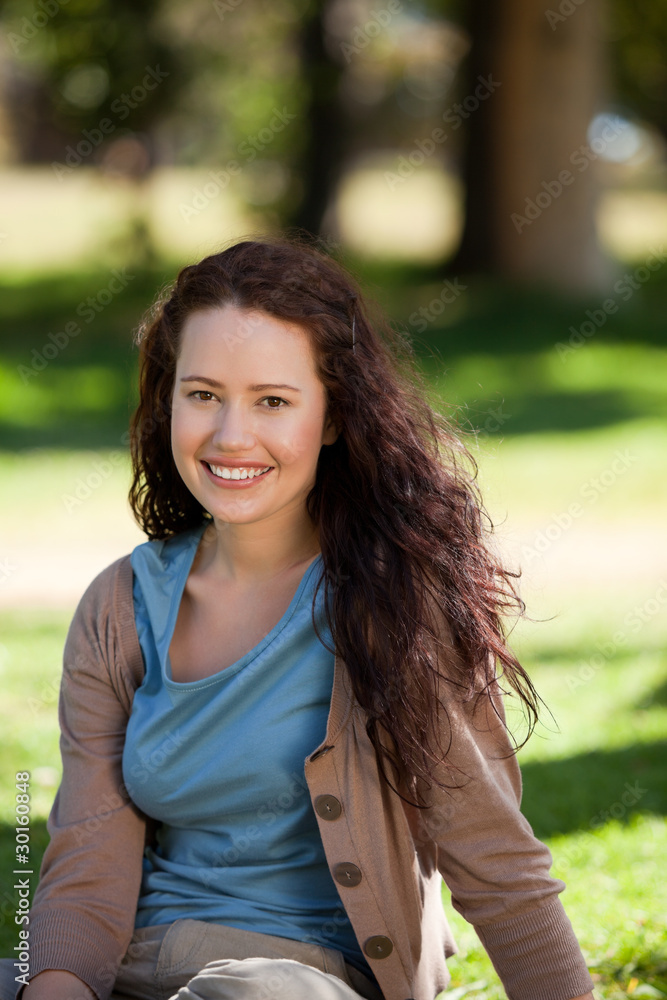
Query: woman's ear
column 331, row 431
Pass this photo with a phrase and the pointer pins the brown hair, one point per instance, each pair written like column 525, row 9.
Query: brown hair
column 401, row 523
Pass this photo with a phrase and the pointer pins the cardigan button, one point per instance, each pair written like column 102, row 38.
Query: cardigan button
column 346, row 873
column 378, row 946
column 328, row 807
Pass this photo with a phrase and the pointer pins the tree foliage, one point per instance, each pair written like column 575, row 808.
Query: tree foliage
column 638, row 55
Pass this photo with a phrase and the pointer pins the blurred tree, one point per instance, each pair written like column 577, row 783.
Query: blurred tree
column 201, row 83
column 530, row 189
column 534, row 79
column 86, row 86
column 372, row 77
column 76, row 64
column 638, row 52
column 320, row 164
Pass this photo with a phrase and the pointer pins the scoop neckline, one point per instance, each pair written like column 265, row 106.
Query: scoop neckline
column 243, row 661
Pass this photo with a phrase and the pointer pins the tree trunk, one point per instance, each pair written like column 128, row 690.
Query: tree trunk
column 321, row 161
column 531, row 179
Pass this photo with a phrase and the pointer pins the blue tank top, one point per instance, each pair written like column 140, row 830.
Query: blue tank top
column 219, row 762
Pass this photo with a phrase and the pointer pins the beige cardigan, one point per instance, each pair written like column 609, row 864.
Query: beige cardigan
column 387, row 858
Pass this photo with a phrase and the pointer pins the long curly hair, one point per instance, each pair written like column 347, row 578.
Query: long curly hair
column 402, row 526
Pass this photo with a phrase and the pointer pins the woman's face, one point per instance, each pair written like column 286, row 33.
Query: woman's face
column 247, row 398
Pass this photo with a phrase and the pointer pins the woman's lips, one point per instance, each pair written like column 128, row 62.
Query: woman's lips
column 235, row 484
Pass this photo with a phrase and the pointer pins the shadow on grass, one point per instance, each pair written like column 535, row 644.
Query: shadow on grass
column 657, row 699
column 66, row 389
column 533, row 413
column 490, row 315
column 587, row 791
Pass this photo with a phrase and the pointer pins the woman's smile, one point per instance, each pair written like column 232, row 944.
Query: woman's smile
column 236, row 477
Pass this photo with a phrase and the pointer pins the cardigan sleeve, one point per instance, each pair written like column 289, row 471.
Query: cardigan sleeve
column 82, row 916
column 496, row 869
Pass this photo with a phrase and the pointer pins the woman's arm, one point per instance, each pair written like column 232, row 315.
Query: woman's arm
column 496, row 869
column 82, row 916
column 55, row 984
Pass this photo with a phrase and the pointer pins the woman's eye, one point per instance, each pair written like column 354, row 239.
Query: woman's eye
column 276, row 399
column 198, row 393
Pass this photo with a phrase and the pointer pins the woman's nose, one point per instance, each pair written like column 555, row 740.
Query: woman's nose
column 233, row 429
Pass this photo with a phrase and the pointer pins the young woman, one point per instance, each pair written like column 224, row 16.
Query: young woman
column 282, row 716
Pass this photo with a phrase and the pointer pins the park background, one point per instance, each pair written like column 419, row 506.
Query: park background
column 495, row 172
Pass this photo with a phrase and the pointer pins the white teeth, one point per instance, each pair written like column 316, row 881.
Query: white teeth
column 226, row 473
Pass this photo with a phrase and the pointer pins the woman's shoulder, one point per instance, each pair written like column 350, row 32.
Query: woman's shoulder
column 103, row 592
column 102, row 637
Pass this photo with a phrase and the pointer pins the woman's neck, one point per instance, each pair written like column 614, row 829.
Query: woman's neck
column 254, row 553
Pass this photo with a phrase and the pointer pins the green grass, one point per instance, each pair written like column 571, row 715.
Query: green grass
column 615, row 898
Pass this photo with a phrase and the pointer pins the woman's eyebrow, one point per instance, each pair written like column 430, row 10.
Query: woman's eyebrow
column 253, row 388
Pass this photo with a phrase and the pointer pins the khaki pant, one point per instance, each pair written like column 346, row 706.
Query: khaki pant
column 196, row 960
